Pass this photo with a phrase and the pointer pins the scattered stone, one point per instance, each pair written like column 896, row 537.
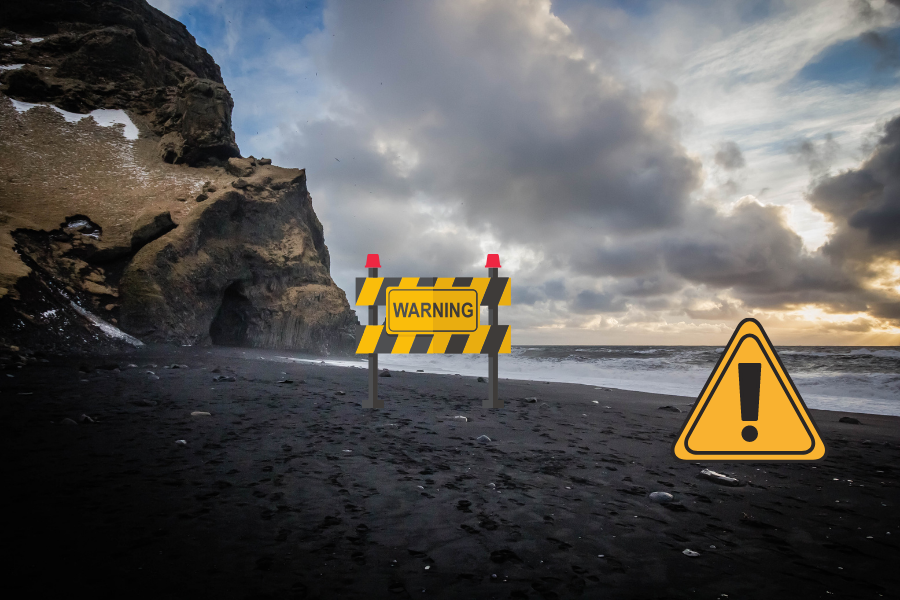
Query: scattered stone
column 224, row 378
column 689, row 552
column 340, row 393
column 264, row 161
column 544, row 405
column 85, row 419
column 200, row 413
column 240, row 167
column 67, row 421
column 131, row 366
column 385, row 373
column 532, row 399
column 210, row 188
column 420, row 370
column 719, row 478
column 460, row 418
column 216, row 370
column 240, row 183
column 661, row 497
column 670, row 408
column 483, row 439
column 201, row 197
column 181, row 442
column 850, row 420
column 285, row 381
column 482, row 380
column 148, row 227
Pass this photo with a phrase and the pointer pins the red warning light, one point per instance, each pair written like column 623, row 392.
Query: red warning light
column 493, row 261
column 372, row 261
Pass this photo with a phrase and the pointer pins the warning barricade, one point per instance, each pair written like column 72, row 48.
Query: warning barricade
column 433, row 315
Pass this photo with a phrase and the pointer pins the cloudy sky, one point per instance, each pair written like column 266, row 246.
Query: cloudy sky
column 649, row 172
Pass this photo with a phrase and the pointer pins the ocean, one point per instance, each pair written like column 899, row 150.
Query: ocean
column 840, row 378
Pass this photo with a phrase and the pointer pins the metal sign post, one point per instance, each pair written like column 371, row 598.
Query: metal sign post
column 372, row 263
column 493, row 400
column 433, row 315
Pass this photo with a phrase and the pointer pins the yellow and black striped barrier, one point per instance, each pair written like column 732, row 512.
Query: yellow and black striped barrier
column 433, row 315
column 492, row 291
column 487, row 339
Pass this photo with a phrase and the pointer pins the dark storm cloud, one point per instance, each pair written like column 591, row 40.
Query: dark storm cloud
column 864, row 204
column 591, row 302
column 528, row 137
column 816, row 156
column 729, row 156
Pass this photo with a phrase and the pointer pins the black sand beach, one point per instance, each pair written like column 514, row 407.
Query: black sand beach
column 292, row 490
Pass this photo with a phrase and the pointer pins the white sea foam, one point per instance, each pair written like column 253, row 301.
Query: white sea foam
column 819, row 375
column 103, row 116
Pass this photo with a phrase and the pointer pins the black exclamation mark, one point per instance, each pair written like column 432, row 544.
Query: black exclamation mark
column 748, row 378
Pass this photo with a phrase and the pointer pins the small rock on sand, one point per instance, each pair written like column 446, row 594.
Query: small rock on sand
column 385, row 373
column 661, row 497
column 532, row 399
column 224, row 378
column 670, row 408
column 460, row 418
column 67, row 421
column 689, row 552
column 483, row 439
column 85, row 419
column 340, row 393
column 850, row 420
column 181, row 442
column 482, row 380
column 719, row 478
column 200, row 413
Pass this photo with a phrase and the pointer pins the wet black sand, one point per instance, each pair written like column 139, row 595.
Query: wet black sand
column 291, row 490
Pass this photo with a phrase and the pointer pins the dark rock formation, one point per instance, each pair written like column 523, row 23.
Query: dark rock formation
column 173, row 237
column 220, row 278
column 123, row 54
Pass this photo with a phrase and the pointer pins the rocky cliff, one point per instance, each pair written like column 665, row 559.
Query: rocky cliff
column 170, row 236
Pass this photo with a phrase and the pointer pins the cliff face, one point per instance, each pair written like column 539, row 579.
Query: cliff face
column 171, row 236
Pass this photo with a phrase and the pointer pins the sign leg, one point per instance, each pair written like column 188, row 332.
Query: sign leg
column 493, row 400
column 373, row 401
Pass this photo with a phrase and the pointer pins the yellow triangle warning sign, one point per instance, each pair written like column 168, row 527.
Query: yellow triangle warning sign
column 749, row 409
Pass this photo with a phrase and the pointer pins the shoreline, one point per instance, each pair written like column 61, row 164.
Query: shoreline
column 293, row 490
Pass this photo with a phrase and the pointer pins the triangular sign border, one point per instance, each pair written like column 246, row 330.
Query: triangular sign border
column 748, row 456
